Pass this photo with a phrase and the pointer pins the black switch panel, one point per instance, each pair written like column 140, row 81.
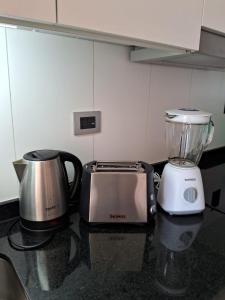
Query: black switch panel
column 87, row 122
column 215, row 198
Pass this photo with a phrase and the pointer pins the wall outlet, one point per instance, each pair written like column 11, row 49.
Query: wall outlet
column 86, row 122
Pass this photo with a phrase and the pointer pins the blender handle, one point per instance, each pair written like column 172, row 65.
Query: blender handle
column 210, row 134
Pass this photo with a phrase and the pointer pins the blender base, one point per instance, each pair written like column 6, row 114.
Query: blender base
column 181, row 190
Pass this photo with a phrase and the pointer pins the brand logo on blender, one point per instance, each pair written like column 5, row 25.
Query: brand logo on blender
column 190, row 179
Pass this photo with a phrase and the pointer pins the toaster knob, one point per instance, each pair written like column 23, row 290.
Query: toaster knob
column 153, row 209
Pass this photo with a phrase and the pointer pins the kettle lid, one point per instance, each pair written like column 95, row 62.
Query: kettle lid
column 41, row 155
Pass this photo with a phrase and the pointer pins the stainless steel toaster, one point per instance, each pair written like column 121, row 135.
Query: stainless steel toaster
column 117, row 192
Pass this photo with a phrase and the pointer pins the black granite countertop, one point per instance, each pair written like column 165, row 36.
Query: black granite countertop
column 172, row 258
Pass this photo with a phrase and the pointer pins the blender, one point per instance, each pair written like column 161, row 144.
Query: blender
column 188, row 133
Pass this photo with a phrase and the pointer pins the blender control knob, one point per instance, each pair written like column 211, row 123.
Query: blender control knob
column 190, row 194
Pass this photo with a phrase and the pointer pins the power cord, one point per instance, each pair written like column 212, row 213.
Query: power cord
column 21, row 247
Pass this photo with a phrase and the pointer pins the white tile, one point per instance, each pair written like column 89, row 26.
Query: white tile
column 121, row 93
column 169, row 88
column 51, row 77
column 8, row 180
column 208, row 93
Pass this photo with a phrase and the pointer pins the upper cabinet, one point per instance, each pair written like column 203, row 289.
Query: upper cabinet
column 214, row 15
column 174, row 23
column 34, row 10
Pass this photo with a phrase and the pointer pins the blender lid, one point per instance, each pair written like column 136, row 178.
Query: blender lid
column 188, row 115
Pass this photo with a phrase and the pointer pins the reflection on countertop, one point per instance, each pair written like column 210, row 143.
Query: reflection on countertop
column 175, row 257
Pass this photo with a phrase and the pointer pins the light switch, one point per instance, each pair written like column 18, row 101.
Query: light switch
column 86, row 122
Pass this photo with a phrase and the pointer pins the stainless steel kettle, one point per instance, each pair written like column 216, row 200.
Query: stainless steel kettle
column 44, row 187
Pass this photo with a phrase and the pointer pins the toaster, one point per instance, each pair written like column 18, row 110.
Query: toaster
column 117, row 192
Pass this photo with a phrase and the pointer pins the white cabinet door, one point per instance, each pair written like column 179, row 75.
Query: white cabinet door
column 174, row 22
column 37, row 10
column 214, row 15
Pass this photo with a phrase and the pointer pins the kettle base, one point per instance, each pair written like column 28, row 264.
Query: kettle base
column 49, row 225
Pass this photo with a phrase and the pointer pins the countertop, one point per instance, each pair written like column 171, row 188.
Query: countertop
column 172, row 258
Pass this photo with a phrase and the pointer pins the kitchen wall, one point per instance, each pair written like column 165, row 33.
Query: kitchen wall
column 45, row 78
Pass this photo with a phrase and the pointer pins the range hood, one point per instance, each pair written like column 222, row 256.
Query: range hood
column 210, row 56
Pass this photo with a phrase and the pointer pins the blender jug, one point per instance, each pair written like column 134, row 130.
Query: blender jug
column 187, row 136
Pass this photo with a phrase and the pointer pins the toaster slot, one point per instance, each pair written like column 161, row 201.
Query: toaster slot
column 106, row 166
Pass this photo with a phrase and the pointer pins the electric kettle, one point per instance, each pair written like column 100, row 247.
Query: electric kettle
column 44, row 187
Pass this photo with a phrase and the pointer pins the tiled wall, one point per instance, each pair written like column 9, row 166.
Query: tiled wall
column 44, row 78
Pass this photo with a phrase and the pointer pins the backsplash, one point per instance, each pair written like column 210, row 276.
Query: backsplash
column 45, row 78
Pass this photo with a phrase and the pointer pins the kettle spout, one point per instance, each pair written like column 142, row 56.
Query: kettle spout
column 20, row 166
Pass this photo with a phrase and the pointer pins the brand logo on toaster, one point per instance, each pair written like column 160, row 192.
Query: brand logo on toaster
column 117, row 238
column 117, row 216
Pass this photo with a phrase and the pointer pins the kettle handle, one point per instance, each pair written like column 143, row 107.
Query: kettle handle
column 65, row 156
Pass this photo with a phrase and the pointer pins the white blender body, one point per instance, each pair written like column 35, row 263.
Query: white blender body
column 181, row 190
column 188, row 133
